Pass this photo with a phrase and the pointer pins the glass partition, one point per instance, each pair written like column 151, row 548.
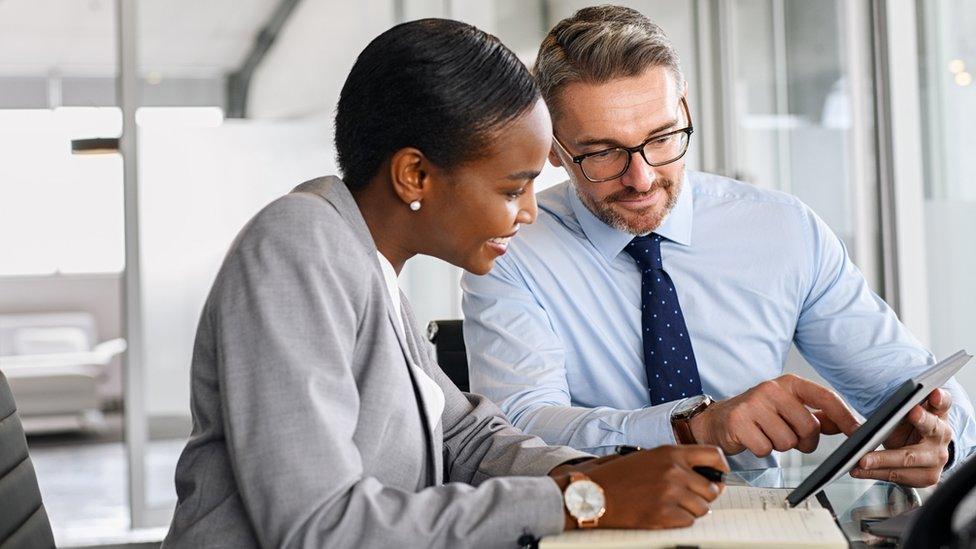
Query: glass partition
column 62, row 255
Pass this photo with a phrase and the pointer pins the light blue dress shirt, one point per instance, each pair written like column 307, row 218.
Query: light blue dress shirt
column 553, row 332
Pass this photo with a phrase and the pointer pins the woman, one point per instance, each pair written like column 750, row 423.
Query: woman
column 320, row 417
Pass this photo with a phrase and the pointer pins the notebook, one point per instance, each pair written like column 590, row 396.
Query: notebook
column 742, row 516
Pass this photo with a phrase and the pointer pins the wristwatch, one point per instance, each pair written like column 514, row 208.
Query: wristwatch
column 682, row 414
column 584, row 500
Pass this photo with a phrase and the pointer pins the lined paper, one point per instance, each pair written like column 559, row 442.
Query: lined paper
column 795, row 528
column 749, row 497
column 737, row 519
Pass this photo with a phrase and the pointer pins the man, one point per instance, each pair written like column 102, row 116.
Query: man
column 641, row 288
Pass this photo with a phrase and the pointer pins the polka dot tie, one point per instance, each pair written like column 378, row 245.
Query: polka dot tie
column 669, row 361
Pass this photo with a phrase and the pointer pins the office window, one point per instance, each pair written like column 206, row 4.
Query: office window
column 801, row 110
column 59, row 213
column 948, row 59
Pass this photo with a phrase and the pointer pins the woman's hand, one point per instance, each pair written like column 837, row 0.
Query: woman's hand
column 651, row 489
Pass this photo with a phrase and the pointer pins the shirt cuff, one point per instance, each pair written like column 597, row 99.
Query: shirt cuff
column 554, row 457
column 574, row 461
column 651, row 426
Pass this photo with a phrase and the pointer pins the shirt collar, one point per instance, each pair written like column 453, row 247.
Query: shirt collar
column 609, row 241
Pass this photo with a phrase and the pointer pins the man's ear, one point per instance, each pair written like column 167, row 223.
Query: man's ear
column 410, row 173
column 554, row 157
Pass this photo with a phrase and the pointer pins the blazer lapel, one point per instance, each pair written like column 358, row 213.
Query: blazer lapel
column 335, row 192
column 433, row 461
column 414, row 340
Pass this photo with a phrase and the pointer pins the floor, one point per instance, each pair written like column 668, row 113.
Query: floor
column 83, row 481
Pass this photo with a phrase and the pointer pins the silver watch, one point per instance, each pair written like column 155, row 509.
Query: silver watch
column 690, row 407
column 682, row 414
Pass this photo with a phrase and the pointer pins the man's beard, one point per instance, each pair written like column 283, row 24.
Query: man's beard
column 640, row 221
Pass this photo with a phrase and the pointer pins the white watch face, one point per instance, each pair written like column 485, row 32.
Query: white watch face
column 688, row 405
column 584, row 500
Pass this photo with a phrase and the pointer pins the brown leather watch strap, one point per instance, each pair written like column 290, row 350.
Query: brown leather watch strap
column 682, row 431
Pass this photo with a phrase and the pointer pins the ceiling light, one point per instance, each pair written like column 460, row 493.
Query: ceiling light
column 957, row 66
column 97, row 145
column 964, row 78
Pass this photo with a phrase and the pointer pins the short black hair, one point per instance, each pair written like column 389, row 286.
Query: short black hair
column 438, row 85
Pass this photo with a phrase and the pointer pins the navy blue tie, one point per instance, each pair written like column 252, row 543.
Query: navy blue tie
column 669, row 361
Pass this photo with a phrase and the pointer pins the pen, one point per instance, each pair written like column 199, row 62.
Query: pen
column 710, row 473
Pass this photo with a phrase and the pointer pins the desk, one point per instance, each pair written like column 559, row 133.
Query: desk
column 851, row 499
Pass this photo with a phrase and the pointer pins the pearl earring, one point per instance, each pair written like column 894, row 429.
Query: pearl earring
column 415, row 205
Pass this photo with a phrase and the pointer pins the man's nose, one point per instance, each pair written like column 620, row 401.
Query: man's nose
column 640, row 176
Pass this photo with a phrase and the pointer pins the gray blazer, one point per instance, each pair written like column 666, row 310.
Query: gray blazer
column 307, row 428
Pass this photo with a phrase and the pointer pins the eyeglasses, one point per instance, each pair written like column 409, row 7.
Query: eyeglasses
column 658, row 150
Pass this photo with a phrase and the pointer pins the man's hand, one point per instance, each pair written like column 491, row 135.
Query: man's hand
column 774, row 415
column 917, row 450
column 651, row 488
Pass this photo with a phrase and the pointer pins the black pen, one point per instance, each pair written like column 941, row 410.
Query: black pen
column 710, row 473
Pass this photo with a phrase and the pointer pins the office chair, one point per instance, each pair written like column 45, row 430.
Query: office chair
column 23, row 520
column 932, row 526
column 448, row 339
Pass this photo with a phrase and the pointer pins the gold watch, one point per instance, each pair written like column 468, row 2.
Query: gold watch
column 584, row 500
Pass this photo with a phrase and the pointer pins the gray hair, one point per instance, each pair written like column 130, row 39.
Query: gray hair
column 599, row 44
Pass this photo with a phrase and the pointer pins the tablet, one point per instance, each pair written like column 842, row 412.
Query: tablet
column 872, row 433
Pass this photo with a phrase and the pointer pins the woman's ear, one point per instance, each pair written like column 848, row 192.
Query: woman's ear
column 410, row 174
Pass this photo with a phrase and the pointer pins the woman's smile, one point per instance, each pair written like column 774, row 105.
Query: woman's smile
column 500, row 243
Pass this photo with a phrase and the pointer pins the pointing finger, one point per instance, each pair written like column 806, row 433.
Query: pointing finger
column 827, row 425
column 822, row 398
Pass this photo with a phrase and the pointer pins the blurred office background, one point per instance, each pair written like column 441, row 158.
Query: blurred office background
column 865, row 109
